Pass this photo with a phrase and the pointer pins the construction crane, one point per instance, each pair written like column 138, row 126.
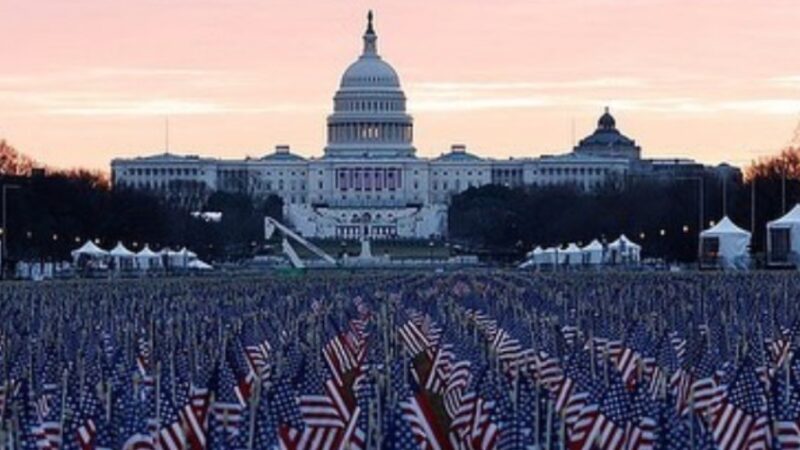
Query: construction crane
column 270, row 225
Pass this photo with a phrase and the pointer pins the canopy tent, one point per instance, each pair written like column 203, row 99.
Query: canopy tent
column 147, row 259
column 172, row 259
column 725, row 245
column 783, row 239
column 593, row 253
column 188, row 253
column 561, row 257
column 572, row 255
column 122, row 257
column 89, row 255
column 547, row 256
column 530, row 258
column 197, row 264
column 623, row 251
column 89, row 249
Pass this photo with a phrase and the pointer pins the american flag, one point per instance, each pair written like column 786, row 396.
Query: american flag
column 227, row 409
column 705, row 393
column 258, row 356
column 614, row 423
column 741, row 421
column 786, row 411
column 89, row 416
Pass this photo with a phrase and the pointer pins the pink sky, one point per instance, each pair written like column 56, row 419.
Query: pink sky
column 84, row 81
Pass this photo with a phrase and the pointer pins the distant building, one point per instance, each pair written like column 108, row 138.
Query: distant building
column 369, row 181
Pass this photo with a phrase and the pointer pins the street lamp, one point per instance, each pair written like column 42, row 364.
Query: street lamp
column 700, row 209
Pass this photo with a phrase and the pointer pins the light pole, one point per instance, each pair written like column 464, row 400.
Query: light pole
column 3, row 251
column 700, row 210
column 783, row 188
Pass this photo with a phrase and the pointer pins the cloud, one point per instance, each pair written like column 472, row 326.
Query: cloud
column 598, row 83
column 173, row 107
column 474, row 104
column 778, row 106
column 621, row 93
column 788, row 81
column 138, row 92
column 112, row 77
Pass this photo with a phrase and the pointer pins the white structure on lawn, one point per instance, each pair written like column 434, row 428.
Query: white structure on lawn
column 370, row 182
column 783, row 239
column 725, row 245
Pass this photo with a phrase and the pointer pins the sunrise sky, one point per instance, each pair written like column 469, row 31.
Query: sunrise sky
column 83, row 81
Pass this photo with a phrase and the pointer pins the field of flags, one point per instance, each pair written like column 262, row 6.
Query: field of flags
column 460, row 361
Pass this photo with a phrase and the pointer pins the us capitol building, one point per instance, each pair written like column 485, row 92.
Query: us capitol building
column 369, row 181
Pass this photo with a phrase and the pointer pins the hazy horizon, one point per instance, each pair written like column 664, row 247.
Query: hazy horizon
column 91, row 80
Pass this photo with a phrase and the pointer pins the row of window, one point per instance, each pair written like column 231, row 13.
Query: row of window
column 245, row 172
column 507, row 172
column 457, row 173
column 574, row 171
column 456, row 185
column 348, row 132
column 369, row 105
column 164, row 171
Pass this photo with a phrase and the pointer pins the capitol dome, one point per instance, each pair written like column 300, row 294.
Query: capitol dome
column 369, row 70
column 369, row 110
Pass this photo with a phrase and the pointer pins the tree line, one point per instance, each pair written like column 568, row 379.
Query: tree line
column 51, row 212
column 663, row 215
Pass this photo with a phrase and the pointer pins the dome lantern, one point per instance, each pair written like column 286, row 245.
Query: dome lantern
column 370, row 38
column 606, row 121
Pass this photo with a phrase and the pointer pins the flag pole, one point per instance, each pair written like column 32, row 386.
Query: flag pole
column 64, row 381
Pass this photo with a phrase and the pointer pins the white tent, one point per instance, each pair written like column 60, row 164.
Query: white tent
column 593, row 253
column 726, row 245
column 572, row 255
column 189, row 254
column 89, row 249
column 561, row 257
column 783, row 238
column 182, row 257
column 623, row 250
column 533, row 258
column 123, row 258
column 172, row 258
column 536, row 254
column 547, row 256
column 197, row 264
column 147, row 259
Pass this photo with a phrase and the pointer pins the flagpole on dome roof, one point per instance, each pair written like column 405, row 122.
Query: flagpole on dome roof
column 166, row 135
